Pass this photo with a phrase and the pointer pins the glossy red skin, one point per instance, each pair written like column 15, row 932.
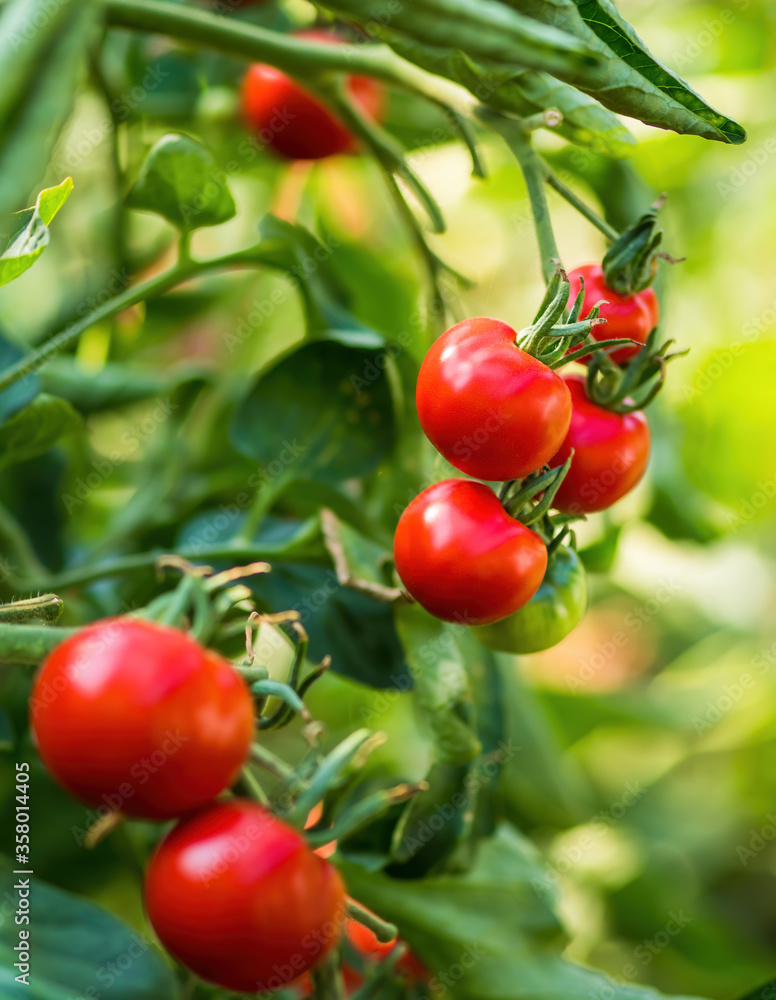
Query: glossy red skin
column 463, row 557
column 492, row 410
column 137, row 717
column 632, row 316
column 611, row 452
column 239, row 897
column 294, row 122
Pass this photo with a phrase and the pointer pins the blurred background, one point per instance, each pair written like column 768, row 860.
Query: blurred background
column 659, row 711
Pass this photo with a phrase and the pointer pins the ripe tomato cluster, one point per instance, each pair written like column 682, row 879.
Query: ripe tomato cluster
column 137, row 717
column 496, row 410
column 294, row 122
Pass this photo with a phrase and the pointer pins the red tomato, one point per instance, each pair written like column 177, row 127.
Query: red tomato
column 611, row 451
column 293, row 121
column 239, row 897
column 632, row 316
column 463, row 557
column 492, row 410
column 139, row 718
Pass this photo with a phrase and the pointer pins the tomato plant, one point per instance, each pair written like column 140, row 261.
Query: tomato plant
column 240, row 589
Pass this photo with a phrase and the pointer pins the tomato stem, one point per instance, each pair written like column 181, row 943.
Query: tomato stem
column 382, row 930
column 29, row 644
column 519, row 141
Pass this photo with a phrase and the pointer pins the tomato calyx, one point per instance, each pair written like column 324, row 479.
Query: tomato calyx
column 529, row 500
column 555, row 341
column 630, row 263
column 633, row 385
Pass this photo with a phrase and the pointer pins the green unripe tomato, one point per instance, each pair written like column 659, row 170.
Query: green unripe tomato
column 555, row 609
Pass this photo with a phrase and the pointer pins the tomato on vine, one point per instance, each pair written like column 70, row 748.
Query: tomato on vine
column 556, row 608
column 490, row 408
column 463, row 558
column 611, row 451
column 139, row 718
column 294, row 121
column 631, row 315
column 240, row 898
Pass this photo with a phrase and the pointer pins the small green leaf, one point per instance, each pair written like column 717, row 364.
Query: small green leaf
column 35, row 429
column 181, row 181
column 32, row 237
column 77, row 950
column 323, row 412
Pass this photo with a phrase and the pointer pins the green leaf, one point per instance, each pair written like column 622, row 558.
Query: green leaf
column 78, row 949
column 325, row 411
column 524, row 93
column 491, row 933
column 503, row 901
column 181, row 181
column 32, row 237
column 441, row 683
column 629, row 80
column 35, row 429
column 41, row 70
column 484, row 29
column 538, row 782
column 325, row 297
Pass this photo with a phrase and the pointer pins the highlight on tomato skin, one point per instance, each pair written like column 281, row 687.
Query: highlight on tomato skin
column 492, row 410
column 239, row 897
column 462, row 556
column 137, row 717
column 633, row 316
column 611, row 453
column 294, row 122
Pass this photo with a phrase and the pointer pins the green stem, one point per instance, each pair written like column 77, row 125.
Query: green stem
column 299, row 57
column 235, row 551
column 327, row 979
column 584, row 209
column 519, row 141
column 30, row 643
column 382, row 145
column 383, row 931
